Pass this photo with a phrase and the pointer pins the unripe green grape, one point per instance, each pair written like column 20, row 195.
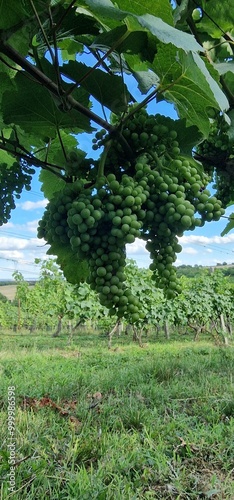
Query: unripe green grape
column 129, row 238
column 101, row 271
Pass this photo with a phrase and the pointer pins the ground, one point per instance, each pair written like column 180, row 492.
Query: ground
column 126, row 423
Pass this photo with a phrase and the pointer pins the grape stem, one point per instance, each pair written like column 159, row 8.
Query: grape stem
column 103, row 158
column 156, row 159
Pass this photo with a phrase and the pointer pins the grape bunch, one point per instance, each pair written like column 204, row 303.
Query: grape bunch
column 144, row 134
column 217, row 156
column 151, row 191
column 175, row 203
column 97, row 224
column 215, row 150
column 224, row 182
column 13, row 179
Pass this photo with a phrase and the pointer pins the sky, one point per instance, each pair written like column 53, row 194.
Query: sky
column 19, row 245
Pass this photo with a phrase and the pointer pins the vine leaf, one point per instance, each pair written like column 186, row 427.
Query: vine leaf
column 32, row 107
column 12, row 14
column 224, row 67
column 231, row 128
column 168, row 34
column 153, row 24
column 146, row 80
column 211, row 83
column 183, row 82
column 158, row 8
column 54, row 154
column 74, row 270
column 181, row 11
column 6, row 83
column 220, row 11
column 105, row 8
column 108, row 89
column 229, row 226
column 129, row 39
column 50, row 183
column 6, row 158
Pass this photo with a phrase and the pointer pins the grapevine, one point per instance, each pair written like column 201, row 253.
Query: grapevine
column 156, row 194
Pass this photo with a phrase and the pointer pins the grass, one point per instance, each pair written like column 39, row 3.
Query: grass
column 128, row 423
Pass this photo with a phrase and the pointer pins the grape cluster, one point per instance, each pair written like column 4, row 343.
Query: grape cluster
column 153, row 193
column 224, row 183
column 13, row 180
column 216, row 154
column 142, row 133
column 175, row 203
column 215, row 150
column 98, row 223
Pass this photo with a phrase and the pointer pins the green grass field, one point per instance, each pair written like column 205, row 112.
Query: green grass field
column 127, row 423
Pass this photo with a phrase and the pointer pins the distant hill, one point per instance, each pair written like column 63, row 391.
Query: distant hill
column 192, row 271
column 8, row 288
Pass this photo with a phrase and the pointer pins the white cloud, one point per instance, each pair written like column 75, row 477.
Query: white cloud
column 9, row 244
column 11, row 254
column 205, row 240
column 30, row 227
column 190, row 250
column 19, row 254
column 137, row 247
column 33, row 205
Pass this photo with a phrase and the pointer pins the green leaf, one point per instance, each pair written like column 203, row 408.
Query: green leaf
column 108, row 89
column 50, row 183
column 6, row 158
column 123, row 39
column 74, row 24
column 18, row 20
column 180, row 11
column 5, row 83
column 231, row 128
column 167, row 34
column 224, row 67
column 32, row 107
column 222, row 13
column 105, row 8
column 146, row 80
column 12, row 13
column 183, row 83
column 53, row 152
column 229, row 226
column 157, row 8
column 218, row 94
column 70, row 49
column 28, row 140
column 74, row 270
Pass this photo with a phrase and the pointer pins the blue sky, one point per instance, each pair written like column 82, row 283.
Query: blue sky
column 19, row 245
